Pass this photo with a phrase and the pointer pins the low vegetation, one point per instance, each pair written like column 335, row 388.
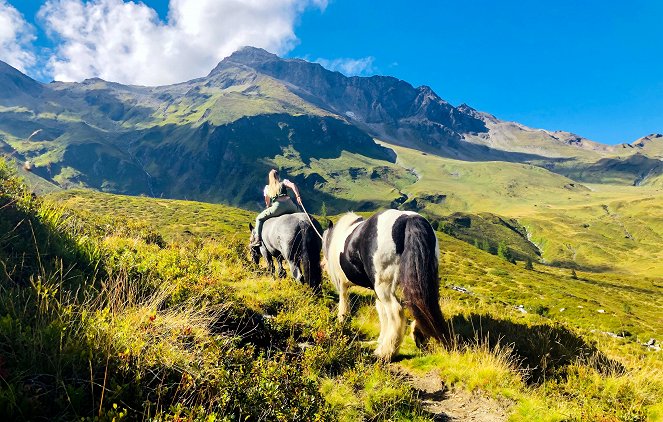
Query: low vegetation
column 118, row 307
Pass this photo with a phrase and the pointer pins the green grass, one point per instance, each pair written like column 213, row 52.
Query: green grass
column 173, row 219
column 596, row 227
column 183, row 329
column 176, row 323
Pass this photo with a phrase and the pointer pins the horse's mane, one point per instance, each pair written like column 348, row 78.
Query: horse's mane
column 346, row 220
column 338, row 236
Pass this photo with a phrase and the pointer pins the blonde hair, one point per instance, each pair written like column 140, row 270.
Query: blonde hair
column 274, row 184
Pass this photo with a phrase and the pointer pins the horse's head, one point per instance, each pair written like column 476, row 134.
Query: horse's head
column 253, row 250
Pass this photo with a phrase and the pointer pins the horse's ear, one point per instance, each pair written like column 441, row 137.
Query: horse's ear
column 330, row 224
column 250, row 227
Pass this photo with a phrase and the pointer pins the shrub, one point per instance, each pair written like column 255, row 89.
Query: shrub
column 529, row 265
column 504, row 252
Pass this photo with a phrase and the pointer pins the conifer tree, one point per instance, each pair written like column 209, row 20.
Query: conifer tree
column 504, row 252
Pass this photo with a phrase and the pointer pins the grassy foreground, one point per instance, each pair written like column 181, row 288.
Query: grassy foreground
column 117, row 307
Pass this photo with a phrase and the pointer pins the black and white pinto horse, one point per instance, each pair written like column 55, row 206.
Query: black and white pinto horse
column 292, row 237
column 391, row 249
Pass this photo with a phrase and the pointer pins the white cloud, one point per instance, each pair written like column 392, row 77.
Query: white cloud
column 127, row 42
column 16, row 37
column 350, row 67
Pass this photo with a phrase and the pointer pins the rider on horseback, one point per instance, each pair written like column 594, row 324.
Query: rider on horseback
column 277, row 202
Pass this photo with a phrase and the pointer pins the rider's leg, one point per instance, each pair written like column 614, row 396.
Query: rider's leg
column 260, row 219
column 274, row 210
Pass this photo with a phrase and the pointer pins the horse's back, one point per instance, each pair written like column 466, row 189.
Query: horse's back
column 285, row 231
column 285, row 223
column 373, row 248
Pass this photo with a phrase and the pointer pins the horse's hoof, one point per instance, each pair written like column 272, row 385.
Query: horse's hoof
column 383, row 356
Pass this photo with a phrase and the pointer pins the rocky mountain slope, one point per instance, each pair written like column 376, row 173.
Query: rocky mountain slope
column 213, row 138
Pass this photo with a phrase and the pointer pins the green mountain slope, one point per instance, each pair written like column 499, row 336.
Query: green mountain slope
column 596, row 227
column 182, row 140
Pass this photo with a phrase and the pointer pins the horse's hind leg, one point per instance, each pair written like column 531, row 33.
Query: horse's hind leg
column 420, row 339
column 392, row 324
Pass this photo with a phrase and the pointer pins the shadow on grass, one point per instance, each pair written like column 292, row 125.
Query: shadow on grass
column 29, row 247
column 542, row 351
column 579, row 267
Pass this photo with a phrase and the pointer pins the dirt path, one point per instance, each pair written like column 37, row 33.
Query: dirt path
column 452, row 405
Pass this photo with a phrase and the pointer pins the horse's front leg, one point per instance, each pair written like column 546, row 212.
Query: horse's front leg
column 268, row 259
column 343, row 294
column 294, row 270
column 281, row 271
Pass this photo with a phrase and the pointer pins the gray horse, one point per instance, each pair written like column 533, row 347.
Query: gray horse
column 292, row 237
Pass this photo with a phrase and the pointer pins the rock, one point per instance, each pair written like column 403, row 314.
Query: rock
column 601, row 311
column 562, row 309
column 461, row 289
column 651, row 345
column 521, row 308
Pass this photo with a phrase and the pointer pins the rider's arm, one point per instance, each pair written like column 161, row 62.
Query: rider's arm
column 292, row 186
column 266, row 201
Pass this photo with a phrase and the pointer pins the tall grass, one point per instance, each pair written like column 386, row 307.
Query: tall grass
column 106, row 317
column 108, row 321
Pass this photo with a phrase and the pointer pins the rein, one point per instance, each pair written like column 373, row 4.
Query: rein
column 310, row 221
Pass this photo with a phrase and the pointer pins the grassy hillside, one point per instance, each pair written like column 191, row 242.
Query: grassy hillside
column 487, row 231
column 592, row 227
column 544, row 344
column 596, row 227
column 485, row 274
column 109, row 321
column 174, row 219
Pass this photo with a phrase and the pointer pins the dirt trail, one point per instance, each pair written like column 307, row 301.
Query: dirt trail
column 452, row 405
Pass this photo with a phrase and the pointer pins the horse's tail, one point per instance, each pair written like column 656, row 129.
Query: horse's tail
column 311, row 246
column 418, row 275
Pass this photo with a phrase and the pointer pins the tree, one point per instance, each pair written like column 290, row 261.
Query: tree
column 323, row 215
column 573, row 274
column 485, row 245
column 504, row 252
column 529, row 265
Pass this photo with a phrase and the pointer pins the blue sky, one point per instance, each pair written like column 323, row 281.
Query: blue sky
column 590, row 67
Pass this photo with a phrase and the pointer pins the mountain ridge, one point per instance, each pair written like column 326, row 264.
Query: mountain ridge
column 248, row 114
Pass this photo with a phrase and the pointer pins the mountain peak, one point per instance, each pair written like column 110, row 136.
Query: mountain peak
column 251, row 55
column 248, row 56
column 250, row 51
column 646, row 139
